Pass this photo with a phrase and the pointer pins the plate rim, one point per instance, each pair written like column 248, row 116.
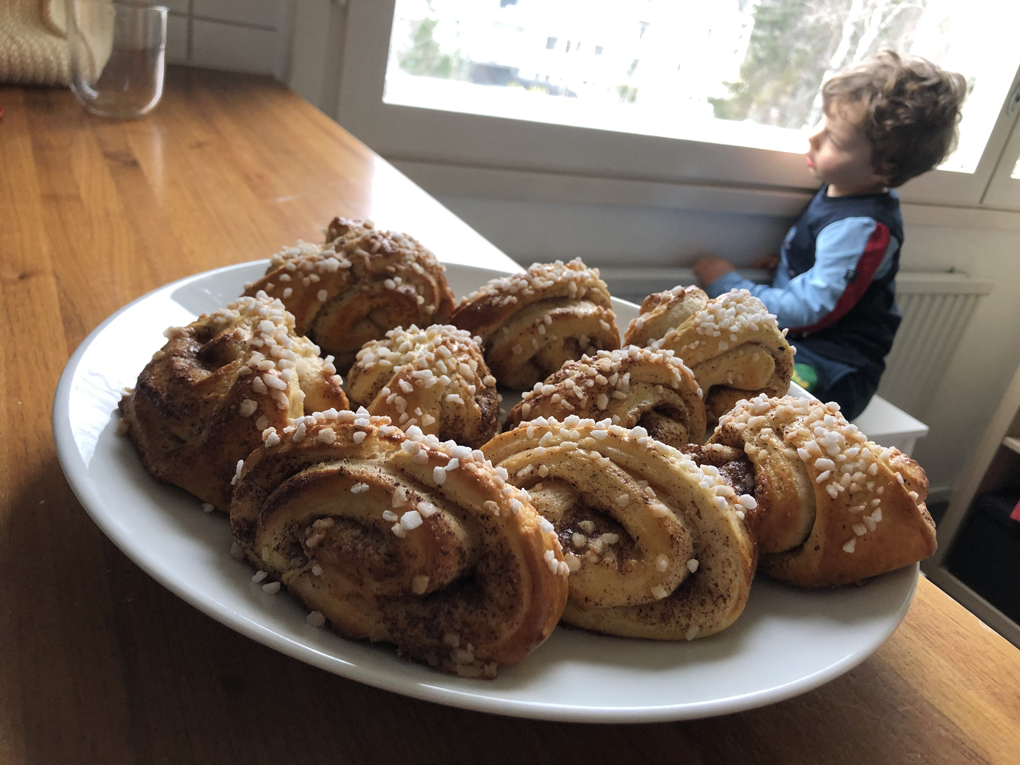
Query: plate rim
column 92, row 501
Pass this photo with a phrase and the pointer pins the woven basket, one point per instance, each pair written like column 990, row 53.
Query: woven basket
column 34, row 48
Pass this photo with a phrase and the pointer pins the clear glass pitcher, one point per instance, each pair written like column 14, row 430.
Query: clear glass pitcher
column 118, row 54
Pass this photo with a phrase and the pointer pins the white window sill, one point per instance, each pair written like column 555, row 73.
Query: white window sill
column 538, row 187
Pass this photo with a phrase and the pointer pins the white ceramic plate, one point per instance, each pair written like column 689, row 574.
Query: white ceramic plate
column 787, row 641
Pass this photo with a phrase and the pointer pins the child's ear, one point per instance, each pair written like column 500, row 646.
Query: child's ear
column 881, row 178
column 882, row 171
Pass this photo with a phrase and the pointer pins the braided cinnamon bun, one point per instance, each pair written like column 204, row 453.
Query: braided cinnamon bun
column 663, row 311
column 434, row 378
column 533, row 322
column 632, row 387
column 833, row 507
column 655, row 544
column 202, row 402
column 357, row 286
column 403, row 539
column 735, row 350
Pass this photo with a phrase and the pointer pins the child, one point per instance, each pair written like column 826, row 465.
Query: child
column 886, row 121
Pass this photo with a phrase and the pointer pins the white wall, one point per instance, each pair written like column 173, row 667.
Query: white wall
column 608, row 235
column 235, row 35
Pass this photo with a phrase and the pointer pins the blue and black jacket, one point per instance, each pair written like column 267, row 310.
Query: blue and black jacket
column 834, row 288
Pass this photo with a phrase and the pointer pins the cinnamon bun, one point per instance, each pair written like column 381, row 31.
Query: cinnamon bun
column 735, row 350
column 360, row 284
column 663, row 311
column 435, row 378
column 656, row 544
column 402, row 539
column 834, row 507
column 531, row 323
column 632, row 387
column 200, row 405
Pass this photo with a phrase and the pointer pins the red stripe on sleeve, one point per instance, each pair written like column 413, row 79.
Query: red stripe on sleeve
column 874, row 253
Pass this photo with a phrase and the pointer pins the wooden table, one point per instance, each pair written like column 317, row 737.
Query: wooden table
column 99, row 664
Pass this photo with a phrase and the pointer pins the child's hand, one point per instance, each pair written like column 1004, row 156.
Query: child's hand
column 711, row 268
column 767, row 263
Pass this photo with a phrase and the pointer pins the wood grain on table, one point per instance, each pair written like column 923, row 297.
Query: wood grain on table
column 100, row 664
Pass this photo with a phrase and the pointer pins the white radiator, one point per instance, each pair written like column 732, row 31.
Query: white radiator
column 936, row 308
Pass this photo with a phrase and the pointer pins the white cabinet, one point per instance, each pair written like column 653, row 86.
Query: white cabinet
column 888, row 425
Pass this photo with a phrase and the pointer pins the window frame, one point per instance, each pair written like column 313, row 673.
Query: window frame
column 1003, row 191
column 435, row 137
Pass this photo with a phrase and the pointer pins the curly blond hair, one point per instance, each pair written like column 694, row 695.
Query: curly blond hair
column 911, row 111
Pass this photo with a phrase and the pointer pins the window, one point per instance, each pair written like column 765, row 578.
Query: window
column 1004, row 189
column 720, row 91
